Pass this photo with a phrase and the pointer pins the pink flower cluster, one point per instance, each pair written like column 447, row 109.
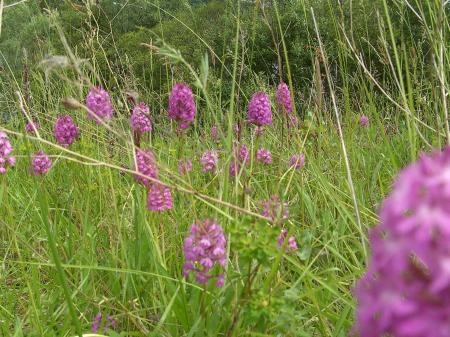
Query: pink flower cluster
column 274, row 209
column 259, row 110
column 6, row 160
column 31, row 127
column 264, row 156
column 292, row 243
column 159, row 198
column 364, row 121
column 40, row 163
column 65, row 131
column 107, row 323
column 297, row 161
column 140, row 119
column 209, row 161
column 204, row 248
column 284, row 99
column 146, row 165
column 184, row 166
column 182, row 105
column 406, row 289
column 99, row 105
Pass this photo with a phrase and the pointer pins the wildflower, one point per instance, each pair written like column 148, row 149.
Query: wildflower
column 215, row 133
column 235, row 168
column 405, row 291
column 292, row 243
column 293, row 121
column 209, row 161
column 259, row 110
column 182, row 105
column 243, row 154
column 184, row 166
column 99, row 105
column 140, row 120
column 40, row 163
column 297, row 161
column 109, row 323
column 284, row 99
column 205, row 248
column 65, row 131
column 274, row 209
column 264, row 156
column 6, row 160
column 159, row 198
column 146, row 165
column 31, row 127
column 364, row 121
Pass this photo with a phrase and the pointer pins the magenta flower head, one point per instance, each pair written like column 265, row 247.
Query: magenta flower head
column 140, row 119
column 99, row 105
column 184, row 166
column 243, row 155
column 159, row 198
column 31, row 127
column 146, row 165
column 274, row 209
column 107, row 323
column 65, row 131
column 297, row 161
column 40, row 163
column 209, row 161
column 406, row 289
column 264, row 156
column 259, row 110
column 364, row 121
column 284, row 99
column 235, row 169
column 182, row 105
column 205, row 249
column 215, row 133
column 6, row 160
column 292, row 243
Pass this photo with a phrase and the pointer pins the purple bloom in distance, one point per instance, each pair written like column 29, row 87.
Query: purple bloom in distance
column 205, row 248
column 297, row 161
column 146, row 165
column 209, row 161
column 259, row 110
column 6, row 160
column 184, row 166
column 40, row 163
column 264, row 156
column 99, row 105
column 182, row 105
column 65, row 131
column 140, row 119
column 284, row 99
column 159, row 198
column 364, row 121
column 31, row 127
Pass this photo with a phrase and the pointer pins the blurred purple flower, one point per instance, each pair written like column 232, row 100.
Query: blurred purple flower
column 364, row 121
column 184, row 166
column 284, row 99
column 146, row 165
column 6, row 160
column 406, row 289
column 159, row 198
column 99, row 105
column 182, row 105
column 209, row 161
column 140, row 119
column 215, row 133
column 292, row 243
column 274, row 209
column 109, row 323
column 259, row 110
column 297, row 161
column 204, row 248
column 40, row 163
column 31, row 127
column 264, row 156
column 65, row 131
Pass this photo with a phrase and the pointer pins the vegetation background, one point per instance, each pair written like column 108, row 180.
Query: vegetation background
column 387, row 59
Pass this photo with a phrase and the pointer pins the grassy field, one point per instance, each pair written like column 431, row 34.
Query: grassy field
column 80, row 241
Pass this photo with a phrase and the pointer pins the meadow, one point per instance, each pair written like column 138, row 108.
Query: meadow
column 188, row 180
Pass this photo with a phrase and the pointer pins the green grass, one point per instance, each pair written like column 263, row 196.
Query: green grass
column 80, row 240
